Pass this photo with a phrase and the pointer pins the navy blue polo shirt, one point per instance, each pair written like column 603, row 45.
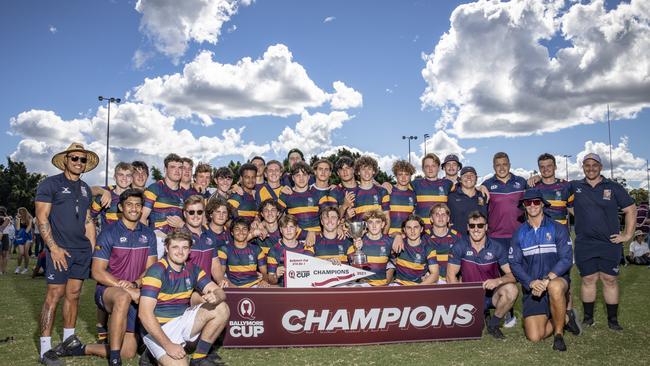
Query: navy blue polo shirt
column 596, row 217
column 460, row 205
column 70, row 203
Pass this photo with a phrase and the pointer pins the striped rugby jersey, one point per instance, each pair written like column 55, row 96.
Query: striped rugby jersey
column 269, row 242
column 242, row 264
column 378, row 252
column 264, row 192
column 442, row 245
column 305, row 206
column 107, row 215
column 172, row 289
column 325, row 248
column 402, row 204
column 163, row 201
column 126, row 250
column 244, row 205
column 558, row 194
column 221, row 239
column 413, row 262
column 427, row 193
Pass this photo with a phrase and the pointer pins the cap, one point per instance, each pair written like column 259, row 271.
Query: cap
column 467, row 169
column 452, row 157
column 592, row 156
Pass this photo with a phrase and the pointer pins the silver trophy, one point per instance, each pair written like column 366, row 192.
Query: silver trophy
column 356, row 230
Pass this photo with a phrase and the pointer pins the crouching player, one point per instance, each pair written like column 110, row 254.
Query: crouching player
column 541, row 258
column 478, row 259
column 289, row 242
column 242, row 261
column 418, row 258
column 124, row 251
column 377, row 246
column 165, row 310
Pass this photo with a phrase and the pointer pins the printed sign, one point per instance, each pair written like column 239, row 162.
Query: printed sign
column 305, row 271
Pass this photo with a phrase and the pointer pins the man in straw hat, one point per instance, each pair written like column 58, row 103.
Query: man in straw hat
column 63, row 214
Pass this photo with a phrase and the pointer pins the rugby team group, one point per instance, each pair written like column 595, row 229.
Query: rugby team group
column 162, row 253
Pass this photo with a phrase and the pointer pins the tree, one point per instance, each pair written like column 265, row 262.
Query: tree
column 17, row 186
column 234, row 166
column 156, row 174
column 640, row 195
column 622, row 181
column 381, row 176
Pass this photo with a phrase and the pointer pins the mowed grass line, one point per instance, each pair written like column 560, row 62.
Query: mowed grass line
column 21, row 299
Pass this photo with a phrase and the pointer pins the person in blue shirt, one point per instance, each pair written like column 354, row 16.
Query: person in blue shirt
column 597, row 201
column 541, row 258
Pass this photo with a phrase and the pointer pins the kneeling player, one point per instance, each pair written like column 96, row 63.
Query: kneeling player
column 124, row 251
column 418, row 258
column 242, row 260
column 541, row 259
column 377, row 246
column 165, row 310
column 289, row 242
column 478, row 259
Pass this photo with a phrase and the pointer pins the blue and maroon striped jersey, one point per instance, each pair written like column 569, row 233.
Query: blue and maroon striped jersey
column 107, row 215
column 305, row 206
column 269, row 242
column 242, row 264
column 442, row 245
column 558, row 194
column 378, row 253
column 325, row 248
column 413, row 262
column 244, row 205
column 402, row 204
column 163, row 201
column 427, row 193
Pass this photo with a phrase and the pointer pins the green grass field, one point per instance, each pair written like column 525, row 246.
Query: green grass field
column 21, row 299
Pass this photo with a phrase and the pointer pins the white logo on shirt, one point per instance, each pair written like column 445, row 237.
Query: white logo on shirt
column 50, row 276
column 517, row 185
column 250, row 257
column 66, row 190
column 494, row 186
column 469, row 253
column 578, row 190
column 123, row 239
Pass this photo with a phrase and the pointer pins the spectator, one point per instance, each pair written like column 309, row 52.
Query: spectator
column 23, row 239
column 639, row 251
column 5, row 224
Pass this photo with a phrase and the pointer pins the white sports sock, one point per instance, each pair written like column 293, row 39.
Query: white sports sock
column 46, row 345
column 67, row 332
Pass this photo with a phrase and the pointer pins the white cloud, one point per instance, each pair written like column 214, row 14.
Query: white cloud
column 138, row 131
column 140, row 57
column 328, row 19
column 492, row 75
column 52, row 29
column 345, row 97
column 271, row 85
column 312, row 134
column 172, row 24
column 442, row 144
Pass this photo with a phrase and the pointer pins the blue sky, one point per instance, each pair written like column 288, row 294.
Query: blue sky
column 501, row 73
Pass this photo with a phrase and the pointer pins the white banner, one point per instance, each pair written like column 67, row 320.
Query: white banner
column 305, row 271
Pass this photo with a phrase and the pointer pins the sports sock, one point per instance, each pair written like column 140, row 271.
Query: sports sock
column 114, row 356
column 612, row 312
column 67, row 333
column 202, row 349
column 46, row 345
column 102, row 332
column 588, row 309
column 494, row 321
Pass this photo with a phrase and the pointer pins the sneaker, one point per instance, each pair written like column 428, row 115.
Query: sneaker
column 146, row 359
column 202, row 362
column 495, row 332
column 17, row 271
column 613, row 325
column 25, row 270
column 50, row 358
column 572, row 325
column 588, row 322
column 509, row 321
column 558, row 343
column 70, row 347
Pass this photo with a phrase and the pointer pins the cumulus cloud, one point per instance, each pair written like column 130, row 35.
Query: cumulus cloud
column 312, row 134
column 172, row 24
column 442, row 144
column 138, row 131
column 493, row 73
column 329, row 19
column 345, row 97
column 271, row 85
column 140, row 57
column 52, row 29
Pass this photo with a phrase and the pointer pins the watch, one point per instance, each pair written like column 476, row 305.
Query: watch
column 545, row 278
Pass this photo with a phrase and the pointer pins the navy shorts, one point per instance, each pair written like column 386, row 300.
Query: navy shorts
column 533, row 305
column 78, row 267
column 132, row 315
column 4, row 244
column 598, row 264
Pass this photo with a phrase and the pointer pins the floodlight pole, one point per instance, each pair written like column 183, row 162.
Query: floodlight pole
column 108, row 129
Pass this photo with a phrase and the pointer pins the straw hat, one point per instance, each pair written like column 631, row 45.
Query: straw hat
column 59, row 159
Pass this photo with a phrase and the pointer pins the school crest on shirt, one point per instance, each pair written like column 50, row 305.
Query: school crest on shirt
column 489, row 256
column 250, row 257
column 375, row 199
column 208, row 241
column 441, row 190
column 143, row 239
column 188, row 282
column 558, row 195
column 340, row 249
column 517, row 185
column 410, row 201
column 607, row 194
column 549, row 237
column 310, row 201
column 382, row 250
column 84, row 192
column 418, row 257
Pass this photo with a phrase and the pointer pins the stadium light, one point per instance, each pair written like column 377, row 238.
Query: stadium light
column 108, row 128
column 426, row 136
column 409, row 138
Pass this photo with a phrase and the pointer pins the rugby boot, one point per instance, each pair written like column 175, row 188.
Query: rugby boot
column 572, row 325
column 558, row 343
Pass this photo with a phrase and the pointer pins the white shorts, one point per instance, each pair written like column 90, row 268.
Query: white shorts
column 178, row 330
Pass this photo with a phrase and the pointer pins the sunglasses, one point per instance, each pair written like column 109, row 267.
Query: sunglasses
column 480, row 226
column 529, row 203
column 195, row 212
column 78, row 158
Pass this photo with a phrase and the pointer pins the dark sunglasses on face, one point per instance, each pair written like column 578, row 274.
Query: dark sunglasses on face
column 78, row 158
column 480, row 226
column 532, row 203
column 195, row 212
